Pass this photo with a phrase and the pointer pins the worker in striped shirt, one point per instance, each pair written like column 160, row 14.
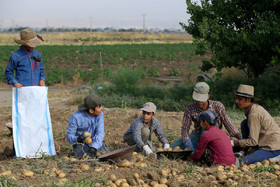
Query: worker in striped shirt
column 202, row 103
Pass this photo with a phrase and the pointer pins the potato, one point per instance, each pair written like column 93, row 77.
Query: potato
column 187, row 149
column 125, row 163
column 134, row 153
column 6, row 173
column 163, row 181
column 86, row 134
column 170, row 149
column 164, row 173
column 271, row 160
column 118, row 182
column 160, row 149
column 258, row 164
column 62, row 175
column 177, row 148
column 113, row 178
column 28, row 173
column 66, row 158
column 98, row 169
column 88, row 140
column 73, row 159
column 136, row 175
column 85, row 167
column 124, row 184
column 62, row 181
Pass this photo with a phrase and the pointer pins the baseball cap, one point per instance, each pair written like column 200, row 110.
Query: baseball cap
column 90, row 101
column 200, row 91
column 149, row 107
column 209, row 115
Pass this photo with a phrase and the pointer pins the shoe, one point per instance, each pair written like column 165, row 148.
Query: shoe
column 239, row 154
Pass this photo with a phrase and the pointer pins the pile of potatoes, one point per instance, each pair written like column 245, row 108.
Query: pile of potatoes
column 177, row 148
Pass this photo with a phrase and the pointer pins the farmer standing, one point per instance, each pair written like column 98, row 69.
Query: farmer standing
column 202, row 103
column 88, row 118
column 26, row 62
column 26, row 69
column 141, row 129
column 259, row 130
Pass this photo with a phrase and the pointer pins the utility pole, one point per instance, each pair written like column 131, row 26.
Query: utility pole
column 144, row 23
column 90, row 24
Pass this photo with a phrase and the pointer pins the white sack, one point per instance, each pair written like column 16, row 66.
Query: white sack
column 32, row 128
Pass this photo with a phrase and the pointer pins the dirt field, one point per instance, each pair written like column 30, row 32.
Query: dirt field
column 151, row 171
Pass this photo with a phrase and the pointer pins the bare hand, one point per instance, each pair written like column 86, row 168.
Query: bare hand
column 18, row 85
column 42, row 83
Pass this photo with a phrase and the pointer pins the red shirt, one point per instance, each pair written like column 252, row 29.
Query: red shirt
column 220, row 145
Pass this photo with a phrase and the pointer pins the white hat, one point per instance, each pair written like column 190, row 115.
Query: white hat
column 201, row 91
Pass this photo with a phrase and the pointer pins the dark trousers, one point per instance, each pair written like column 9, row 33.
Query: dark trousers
column 80, row 149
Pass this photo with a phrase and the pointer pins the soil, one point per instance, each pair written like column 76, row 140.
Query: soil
column 150, row 169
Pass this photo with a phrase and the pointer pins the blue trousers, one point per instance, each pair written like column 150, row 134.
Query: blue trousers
column 194, row 138
column 258, row 155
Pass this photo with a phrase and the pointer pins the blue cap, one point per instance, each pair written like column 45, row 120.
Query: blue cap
column 208, row 115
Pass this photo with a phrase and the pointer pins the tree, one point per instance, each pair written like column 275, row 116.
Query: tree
column 239, row 33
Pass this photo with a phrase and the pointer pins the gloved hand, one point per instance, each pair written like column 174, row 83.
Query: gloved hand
column 147, row 150
column 92, row 152
column 166, row 146
column 81, row 139
column 188, row 144
column 232, row 143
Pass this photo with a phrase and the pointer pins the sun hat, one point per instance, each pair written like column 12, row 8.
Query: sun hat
column 201, row 91
column 149, row 107
column 90, row 101
column 29, row 38
column 245, row 91
column 208, row 115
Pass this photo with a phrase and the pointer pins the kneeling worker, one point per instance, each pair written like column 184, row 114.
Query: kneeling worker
column 214, row 138
column 141, row 129
column 89, row 118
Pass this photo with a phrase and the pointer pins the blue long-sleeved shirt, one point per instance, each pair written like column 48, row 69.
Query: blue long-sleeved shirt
column 28, row 66
column 80, row 122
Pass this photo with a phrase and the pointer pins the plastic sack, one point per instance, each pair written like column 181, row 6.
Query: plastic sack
column 32, row 128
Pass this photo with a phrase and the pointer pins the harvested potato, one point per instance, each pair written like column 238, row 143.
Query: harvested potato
column 85, row 167
column 252, row 166
column 136, row 175
column 134, row 153
column 164, row 172
column 125, row 163
column 187, row 149
column 6, row 173
column 28, row 173
column 86, row 134
column 170, row 149
column 62, row 181
column 88, row 140
column 113, row 178
column 177, row 148
column 160, row 149
column 62, row 175
column 163, row 181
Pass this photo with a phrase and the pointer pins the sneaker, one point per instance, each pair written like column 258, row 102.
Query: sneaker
column 239, row 154
column 276, row 159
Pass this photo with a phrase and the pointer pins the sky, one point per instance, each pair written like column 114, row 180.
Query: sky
column 163, row 14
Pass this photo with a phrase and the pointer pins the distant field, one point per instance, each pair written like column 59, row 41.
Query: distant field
column 93, row 38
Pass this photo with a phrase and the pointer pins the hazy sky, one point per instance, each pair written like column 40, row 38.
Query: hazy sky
column 95, row 13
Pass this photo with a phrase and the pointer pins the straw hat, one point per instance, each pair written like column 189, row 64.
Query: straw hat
column 29, row 38
column 245, row 91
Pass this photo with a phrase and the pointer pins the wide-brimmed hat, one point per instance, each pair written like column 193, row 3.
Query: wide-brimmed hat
column 149, row 107
column 201, row 91
column 90, row 101
column 29, row 38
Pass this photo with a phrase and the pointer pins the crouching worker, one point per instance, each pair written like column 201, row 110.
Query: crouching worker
column 215, row 139
column 89, row 118
column 141, row 129
column 259, row 130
